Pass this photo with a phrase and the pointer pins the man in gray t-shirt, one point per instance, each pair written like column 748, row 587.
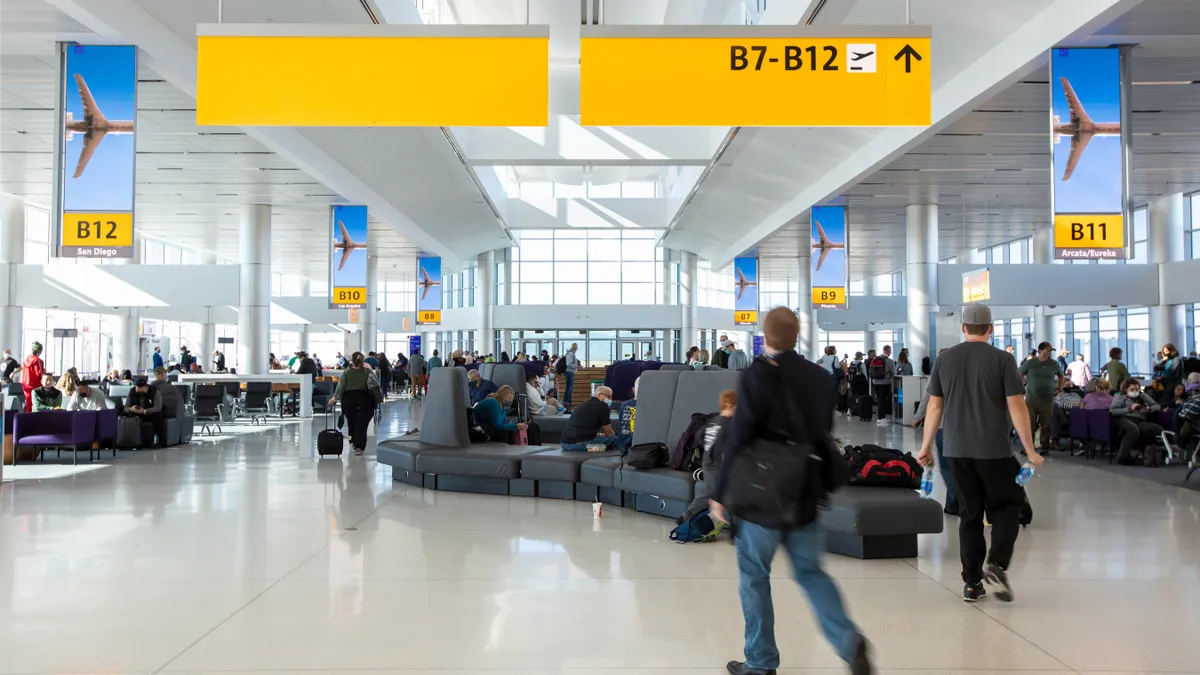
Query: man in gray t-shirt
column 976, row 393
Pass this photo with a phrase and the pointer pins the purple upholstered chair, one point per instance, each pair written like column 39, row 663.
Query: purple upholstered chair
column 1078, row 422
column 58, row 429
column 1099, row 431
column 106, row 428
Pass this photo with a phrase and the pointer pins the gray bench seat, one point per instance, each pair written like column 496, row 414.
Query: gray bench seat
column 872, row 522
column 560, row 465
column 491, row 460
column 599, row 472
column 664, row 483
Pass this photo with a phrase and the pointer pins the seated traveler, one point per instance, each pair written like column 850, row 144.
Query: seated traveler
column 147, row 404
column 1187, row 418
column 492, row 416
column 546, row 382
column 88, row 396
column 590, row 424
column 479, row 387
column 1193, row 383
column 1130, row 407
column 1067, row 399
column 1098, row 398
column 47, row 397
column 711, row 462
column 537, row 404
column 701, row 360
column 627, row 415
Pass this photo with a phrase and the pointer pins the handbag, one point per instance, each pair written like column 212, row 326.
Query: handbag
column 781, row 479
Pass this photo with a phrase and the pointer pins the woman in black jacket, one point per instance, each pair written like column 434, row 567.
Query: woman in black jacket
column 385, row 373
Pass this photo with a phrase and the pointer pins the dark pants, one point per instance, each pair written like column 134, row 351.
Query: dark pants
column 359, row 407
column 1060, row 423
column 946, row 473
column 883, row 399
column 756, row 547
column 566, row 398
column 1040, row 414
column 385, row 381
column 987, row 486
column 1131, row 431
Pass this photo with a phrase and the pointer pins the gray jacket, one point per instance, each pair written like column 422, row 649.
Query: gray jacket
column 924, row 408
column 572, row 361
column 1122, row 406
column 738, row 360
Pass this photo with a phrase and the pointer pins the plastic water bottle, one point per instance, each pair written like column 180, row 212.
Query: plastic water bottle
column 1025, row 474
column 927, row 482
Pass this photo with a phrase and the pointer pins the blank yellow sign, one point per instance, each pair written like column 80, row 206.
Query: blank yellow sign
column 1089, row 236
column 829, row 297
column 745, row 79
column 383, row 80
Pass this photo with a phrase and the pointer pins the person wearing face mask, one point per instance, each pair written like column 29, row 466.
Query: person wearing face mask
column 590, row 424
column 1130, row 408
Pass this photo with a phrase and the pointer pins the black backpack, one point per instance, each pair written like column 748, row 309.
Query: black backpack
column 476, row 433
column 560, row 366
column 878, row 368
column 645, row 456
column 689, row 449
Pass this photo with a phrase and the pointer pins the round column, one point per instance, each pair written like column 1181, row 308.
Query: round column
column 367, row 315
column 920, row 277
column 254, row 312
column 126, row 325
column 1043, row 254
column 808, row 342
column 1165, row 244
column 208, row 327
column 12, row 254
column 485, row 299
column 689, row 296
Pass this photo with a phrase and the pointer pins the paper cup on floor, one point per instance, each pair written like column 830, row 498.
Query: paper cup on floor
column 598, row 509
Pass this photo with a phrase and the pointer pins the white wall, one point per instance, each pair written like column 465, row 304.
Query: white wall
column 1181, row 282
column 586, row 317
column 866, row 312
column 1057, row 284
column 89, row 288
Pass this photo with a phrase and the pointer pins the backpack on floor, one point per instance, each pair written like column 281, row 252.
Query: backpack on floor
column 699, row 528
column 871, row 465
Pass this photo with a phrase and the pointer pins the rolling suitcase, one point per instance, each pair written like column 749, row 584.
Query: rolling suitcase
column 129, row 432
column 330, row 441
column 864, row 407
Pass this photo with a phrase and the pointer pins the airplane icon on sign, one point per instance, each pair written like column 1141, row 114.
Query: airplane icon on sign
column 1081, row 129
column 742, row 284
column 427, row 283
column 94, row 126
column 346, row 246
column 859, row 56
column 824, row 245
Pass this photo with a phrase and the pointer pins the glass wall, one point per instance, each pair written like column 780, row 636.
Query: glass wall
column 1015, row 252
column 772, row 294
column 1012, row 332
column 1192, row 225
column 458, row 290
column 847, row 342
column 587, row 267
column 716, row 287
column 1094, row 333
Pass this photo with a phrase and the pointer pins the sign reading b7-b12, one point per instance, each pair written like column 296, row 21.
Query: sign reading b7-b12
column 755, row 76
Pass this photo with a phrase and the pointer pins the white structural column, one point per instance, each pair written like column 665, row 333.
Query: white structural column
column 1043, row 254
column 12, row 254
column 126, row 324
column 369, row 314
column 920, row 278
column 1165, row 244
column 506, row 291
column 208, row 327
column 305, row 291
column 808, row 341
column 689, row 299
column 485, row 299
column 254, row 312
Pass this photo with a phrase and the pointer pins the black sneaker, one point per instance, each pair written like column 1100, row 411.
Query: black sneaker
column 973, row 592
column 997, row 578
column 860, row 663
column 740, row 668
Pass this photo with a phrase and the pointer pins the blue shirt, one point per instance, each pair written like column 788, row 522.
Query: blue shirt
column 158, row 360
column 492, row 414
column 480, row 391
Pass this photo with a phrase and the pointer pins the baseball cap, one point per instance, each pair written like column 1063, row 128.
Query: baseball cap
column 976, row 315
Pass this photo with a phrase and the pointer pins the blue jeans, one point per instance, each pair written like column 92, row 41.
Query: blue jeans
column 566, row 397
column 755, row 549
column 617, row 442
column 946, row 473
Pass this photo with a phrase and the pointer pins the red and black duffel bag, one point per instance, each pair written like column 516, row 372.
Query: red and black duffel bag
column 873, row 466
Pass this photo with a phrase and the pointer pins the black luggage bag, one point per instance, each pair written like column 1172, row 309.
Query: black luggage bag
column 864, row 407
column 330, row 441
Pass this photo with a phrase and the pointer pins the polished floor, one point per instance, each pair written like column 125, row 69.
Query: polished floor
column 250, row 555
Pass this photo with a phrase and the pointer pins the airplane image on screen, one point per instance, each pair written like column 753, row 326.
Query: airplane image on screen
column 1081, row 129
column 427, row 283
column 824, row 245
column 742, row 284
column 346, row 246
column 94, row 126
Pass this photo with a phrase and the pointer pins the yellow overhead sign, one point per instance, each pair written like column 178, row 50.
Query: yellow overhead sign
column 341, row 75
column 97, row 235
column 1089, row 237
column 829, row 297
column 755, row 76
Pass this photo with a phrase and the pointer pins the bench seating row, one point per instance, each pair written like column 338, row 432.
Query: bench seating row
column 861, row 522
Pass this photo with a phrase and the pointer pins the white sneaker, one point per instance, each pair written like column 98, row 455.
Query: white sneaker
column 883, row 423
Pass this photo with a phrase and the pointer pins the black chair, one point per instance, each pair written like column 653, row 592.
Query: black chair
column 255, row 403
column 324, row 391
column 208, row 404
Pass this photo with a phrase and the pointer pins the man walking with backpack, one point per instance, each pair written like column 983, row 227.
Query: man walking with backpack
column 882, row 370
column 782, row 392
column 974, row 390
